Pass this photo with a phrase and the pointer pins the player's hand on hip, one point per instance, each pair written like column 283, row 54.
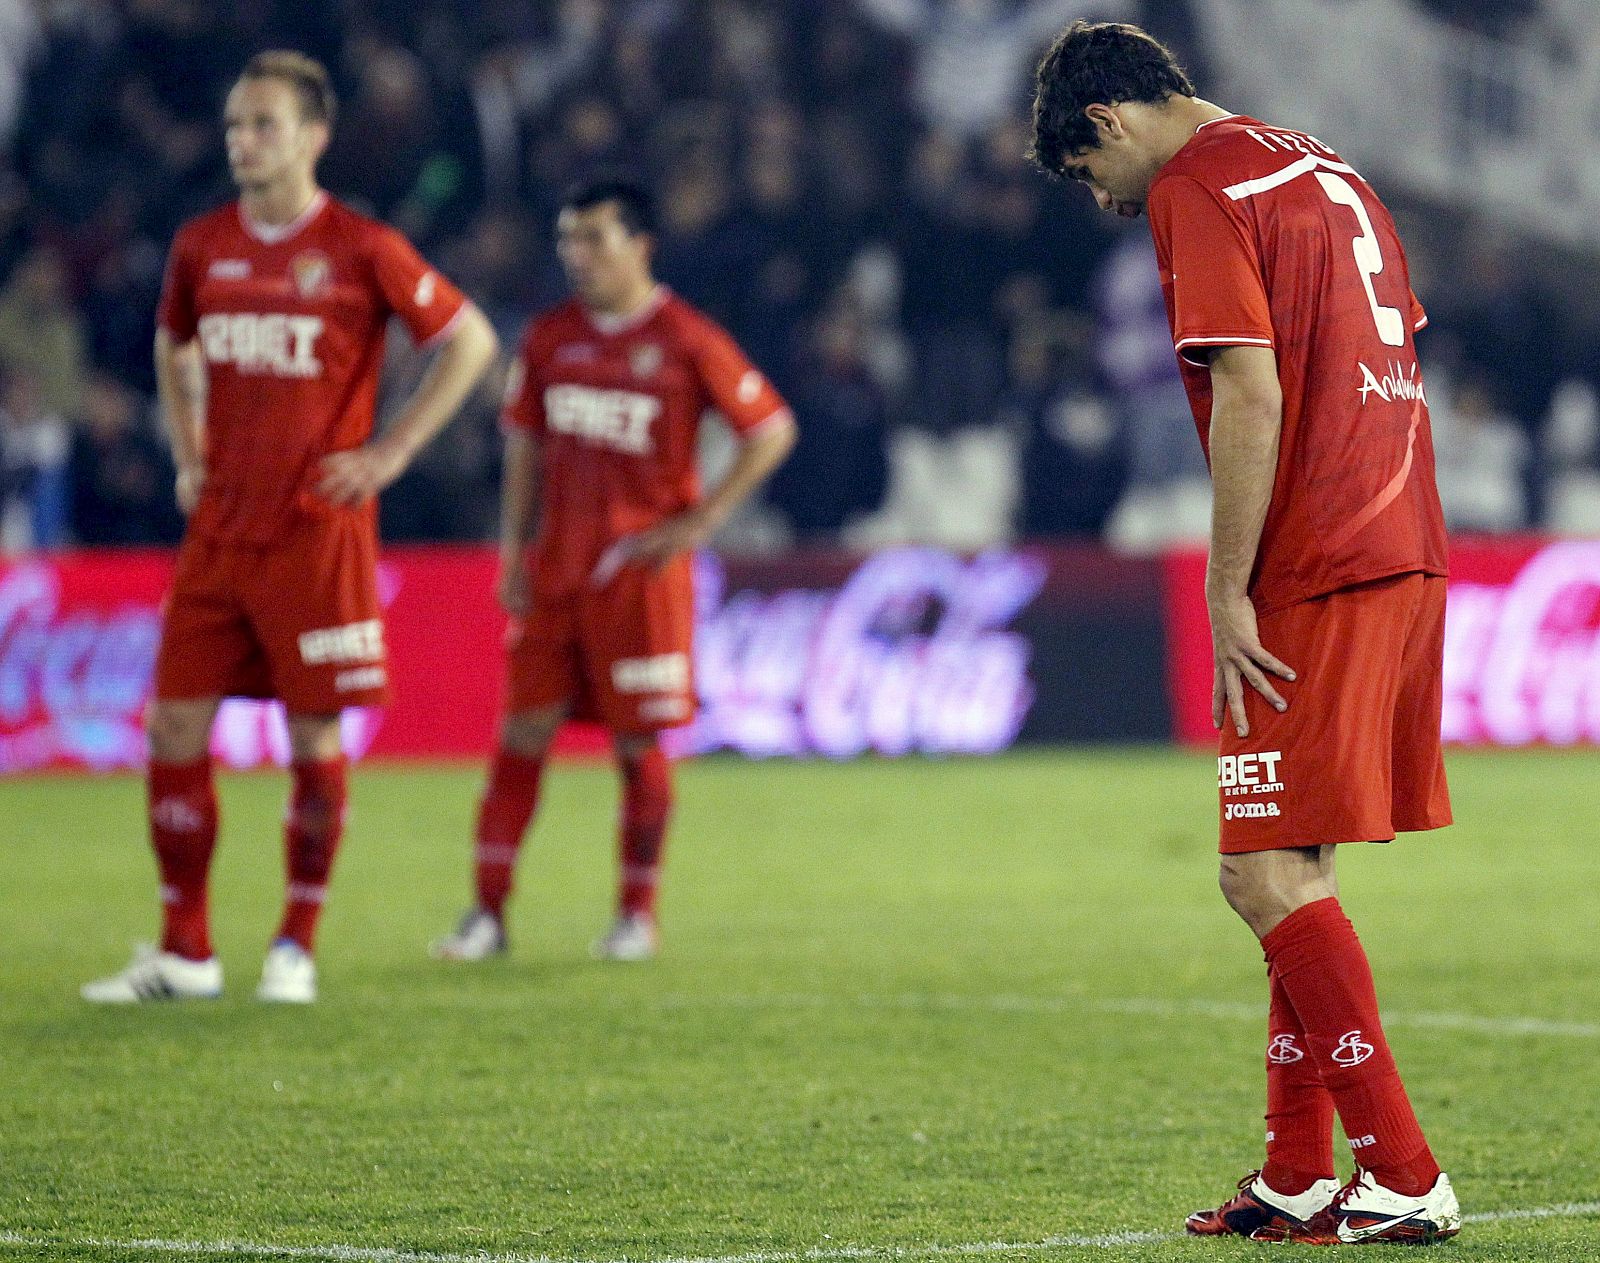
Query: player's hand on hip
column 1240, row 659
column 191, row 482
column 354, row 477
column 512, row 589
column 682, row 533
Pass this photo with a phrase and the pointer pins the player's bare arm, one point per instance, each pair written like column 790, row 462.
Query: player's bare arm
column 1246, row 422
column 759, row 455
column 350, row 478
column 181, row 384
column 518, row 519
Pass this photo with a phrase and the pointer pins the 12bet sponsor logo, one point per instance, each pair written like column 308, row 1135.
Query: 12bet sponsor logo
column 1246, row 775
column 619, row 419
column 263, row 344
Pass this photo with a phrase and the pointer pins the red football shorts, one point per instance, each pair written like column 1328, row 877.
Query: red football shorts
column 1356, row 756
column 620, row 654
column 299, row 621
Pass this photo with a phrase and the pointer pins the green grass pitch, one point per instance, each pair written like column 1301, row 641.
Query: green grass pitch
column 968, row 1005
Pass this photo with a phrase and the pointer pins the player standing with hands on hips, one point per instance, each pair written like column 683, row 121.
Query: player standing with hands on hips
column 270, row 341
column 600, row 423
column 1292, row 316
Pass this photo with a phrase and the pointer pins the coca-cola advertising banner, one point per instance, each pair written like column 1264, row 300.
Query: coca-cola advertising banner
column 908, row 651
column 1521, row 652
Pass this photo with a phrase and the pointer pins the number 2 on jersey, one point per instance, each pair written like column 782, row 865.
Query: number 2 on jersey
column 1369, row 257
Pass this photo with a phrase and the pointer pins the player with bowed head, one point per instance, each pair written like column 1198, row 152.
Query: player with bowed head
column 1293, row 319
column 601, row 515
column 268, row 350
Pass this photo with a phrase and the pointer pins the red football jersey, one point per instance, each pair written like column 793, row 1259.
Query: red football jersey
column 616, row 407
column 290, row 320
column 1265, row 237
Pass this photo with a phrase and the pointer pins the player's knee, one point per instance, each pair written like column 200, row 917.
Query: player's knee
column 177, row 733
column 1241, row 888
column 529, row 733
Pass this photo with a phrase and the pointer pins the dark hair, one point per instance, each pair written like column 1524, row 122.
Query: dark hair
column 636, row 207
column 1096, row 63
column 307, row 76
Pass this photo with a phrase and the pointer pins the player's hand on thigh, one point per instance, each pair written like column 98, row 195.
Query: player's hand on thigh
column 684, row 532
column 1239, row 659
column 354, row 477
column 190, row 482
column 512, row 589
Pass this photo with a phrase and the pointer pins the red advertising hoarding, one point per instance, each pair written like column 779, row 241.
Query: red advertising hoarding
column 908, row 651
column 1522, row 644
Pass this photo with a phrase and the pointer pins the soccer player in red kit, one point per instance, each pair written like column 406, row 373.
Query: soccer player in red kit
column 600, row 423
column 270, row 339
column 1292, row 316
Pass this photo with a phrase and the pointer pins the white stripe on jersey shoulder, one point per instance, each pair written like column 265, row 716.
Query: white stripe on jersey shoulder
column 1210, row 121
column 1228, row 341
column 1304, row 166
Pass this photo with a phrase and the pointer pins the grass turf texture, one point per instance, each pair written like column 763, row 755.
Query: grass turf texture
column 901, row 1004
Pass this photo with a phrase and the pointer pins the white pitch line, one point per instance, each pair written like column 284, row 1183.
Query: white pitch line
column 818, row 1254
column 1136, row 1005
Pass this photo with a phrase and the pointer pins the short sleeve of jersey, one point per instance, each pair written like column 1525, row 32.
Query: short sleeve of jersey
column 177, row 312
column 735, row 386
column 1218, row 295
column 1419, row 318
column 423, row 299
column 523, row 408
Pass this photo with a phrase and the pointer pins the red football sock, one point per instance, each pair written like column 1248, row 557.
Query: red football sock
column 1299, row 1108
column 183, row 830
column 509, row 801
column 1314, row 951
column 646, row 806
column 311, row 837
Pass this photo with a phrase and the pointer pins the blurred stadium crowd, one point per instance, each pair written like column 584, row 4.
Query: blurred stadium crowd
column 974, row 353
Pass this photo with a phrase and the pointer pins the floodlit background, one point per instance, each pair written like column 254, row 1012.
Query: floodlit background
column 975, row 355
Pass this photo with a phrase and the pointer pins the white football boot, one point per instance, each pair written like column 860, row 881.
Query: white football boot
column 157, row 975
column 1262, row 1213
column 480, row 935
column 288, row 975
column 1366, row 1211
column 630, row 938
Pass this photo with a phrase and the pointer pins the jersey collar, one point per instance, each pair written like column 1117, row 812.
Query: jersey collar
column 272, row 234
column 611, row 326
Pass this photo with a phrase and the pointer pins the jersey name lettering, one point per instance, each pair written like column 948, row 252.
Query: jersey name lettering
column 620, row 419
column 280, row 345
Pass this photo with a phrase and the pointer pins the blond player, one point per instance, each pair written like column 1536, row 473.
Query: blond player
column 270, row 340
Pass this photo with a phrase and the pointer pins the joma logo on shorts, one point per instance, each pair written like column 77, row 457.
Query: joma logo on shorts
column 610, row 418
column 1250, row 811
column 284, row 346
column 354, row 642
column 664, row 673
column 1249, row 770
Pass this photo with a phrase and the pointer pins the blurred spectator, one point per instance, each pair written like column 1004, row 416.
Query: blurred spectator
column 1168, row 494
column 1072, row 460
column 1480, row 453
column 1571, row 443
column 41, row 331
column 120, row 474
column 973, row 54
column 394, row 153
column 34, row 442
column 839, row 469
column 20, row 36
